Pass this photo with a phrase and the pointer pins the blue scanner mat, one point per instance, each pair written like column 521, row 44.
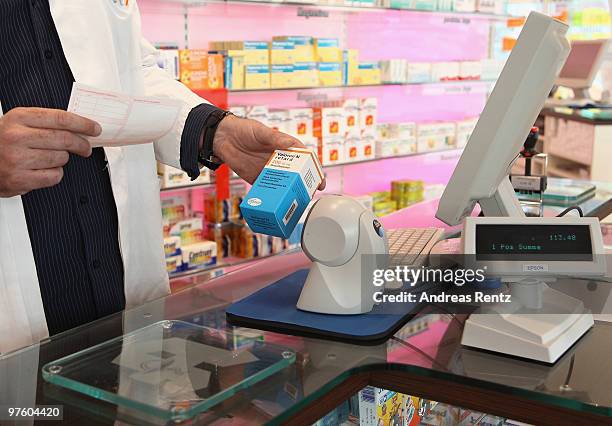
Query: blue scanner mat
column 273, row 308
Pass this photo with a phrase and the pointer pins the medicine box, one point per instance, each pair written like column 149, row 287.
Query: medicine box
column 282, row 192
column 328, row 50
column 369, row 73
column 172, row 246
column 418, row 72
column 387, row 148
column 445, row 71
column 282, row 52
column 368, row 146
column 300, row 122
column 368, row 113
column 199, row 255
column 257, row 77
column 255, row 52
column 351, row 116
column 281, row 76
column 278, row 119
column 332, row 151
column 330, row 74
column 305, row 74
column 168, row 60
column 352, row 149
column 303, row 47
column 238, row 111
column 464, row 131
column 328, row 122
column 234, row 69
column 259, row 113
column 171, row 177
column 470, row 70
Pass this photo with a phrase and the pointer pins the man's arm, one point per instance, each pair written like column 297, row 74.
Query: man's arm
column 244, row 145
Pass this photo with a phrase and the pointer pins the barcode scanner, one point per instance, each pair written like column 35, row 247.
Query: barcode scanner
column 346, row 243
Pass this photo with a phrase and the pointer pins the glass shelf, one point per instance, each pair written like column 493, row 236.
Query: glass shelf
column 172, row 370
column 344, row 7
column 430, row 83
column 329, row 166
column 228, row 263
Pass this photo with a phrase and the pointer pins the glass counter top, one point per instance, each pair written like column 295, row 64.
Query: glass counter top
column 426, row 350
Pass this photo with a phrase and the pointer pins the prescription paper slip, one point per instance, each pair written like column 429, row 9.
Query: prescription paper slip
column 125, row 119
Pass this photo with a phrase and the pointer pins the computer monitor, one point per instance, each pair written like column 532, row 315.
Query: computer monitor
column 582, row 66
column 481, row 175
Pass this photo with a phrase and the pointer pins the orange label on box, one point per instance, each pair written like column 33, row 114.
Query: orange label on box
column 301, row 129
column 369, row 120
column 353, row 152
column 333, row 127
column 200, row 70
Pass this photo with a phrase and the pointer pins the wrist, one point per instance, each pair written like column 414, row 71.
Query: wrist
column 225, row 130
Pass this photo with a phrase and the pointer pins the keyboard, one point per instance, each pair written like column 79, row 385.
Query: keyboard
column 410, row 246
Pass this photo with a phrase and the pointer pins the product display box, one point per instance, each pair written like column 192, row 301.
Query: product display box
column 351, row 117
column 282, row 52
column 330, row 73
column 171, row 177
column 445, row 71
column 328, row 122
column 418, row 72
column 352, row 149
column 303, row 47
column 305, row 74
column 278, row 119
column 282, row 76
column 258, row 112
column 300, row 122
column 328, row 50
column 200, row 70
column 368, row 116
column 282, row 191
column 257, row 77
column 255, row 52
column 332, row 150
column 436, row 136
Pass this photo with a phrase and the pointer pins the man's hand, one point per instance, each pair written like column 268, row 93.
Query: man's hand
column 246, row 145
column 35, row 144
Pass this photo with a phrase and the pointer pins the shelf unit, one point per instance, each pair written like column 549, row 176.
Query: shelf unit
column 379, row 33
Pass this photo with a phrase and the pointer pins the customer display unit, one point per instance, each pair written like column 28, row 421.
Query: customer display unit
column 540, row 323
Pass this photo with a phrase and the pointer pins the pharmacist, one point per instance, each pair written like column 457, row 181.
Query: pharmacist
column 80, row 229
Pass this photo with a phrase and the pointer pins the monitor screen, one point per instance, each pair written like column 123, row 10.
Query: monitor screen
column 582, row 59
column 534, row 242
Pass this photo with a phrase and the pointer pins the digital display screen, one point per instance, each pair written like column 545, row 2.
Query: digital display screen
column 581, row 60
column 534, row 242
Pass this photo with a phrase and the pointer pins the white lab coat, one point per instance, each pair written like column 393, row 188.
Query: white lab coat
column 104, row 47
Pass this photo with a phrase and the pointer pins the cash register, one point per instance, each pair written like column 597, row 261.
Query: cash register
column 515, row 242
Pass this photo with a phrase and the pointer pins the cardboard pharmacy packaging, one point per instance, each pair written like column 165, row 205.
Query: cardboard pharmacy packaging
column 282, row 192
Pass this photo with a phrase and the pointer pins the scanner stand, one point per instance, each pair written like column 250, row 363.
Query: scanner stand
column 539, row 324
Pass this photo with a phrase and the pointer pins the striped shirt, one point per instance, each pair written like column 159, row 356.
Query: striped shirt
column 73, row 226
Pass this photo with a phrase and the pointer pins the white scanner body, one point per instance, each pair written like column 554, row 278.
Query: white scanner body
column 346, row 243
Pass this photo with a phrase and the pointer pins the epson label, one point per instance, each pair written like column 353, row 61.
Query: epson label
column 540, row 267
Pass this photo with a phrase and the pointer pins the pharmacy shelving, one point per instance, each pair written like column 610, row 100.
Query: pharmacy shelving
column 450, row 83
column 348, row 6
column 456, row 151
column 378, row 33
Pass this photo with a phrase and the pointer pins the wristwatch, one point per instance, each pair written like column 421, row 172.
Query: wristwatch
column 206, row 156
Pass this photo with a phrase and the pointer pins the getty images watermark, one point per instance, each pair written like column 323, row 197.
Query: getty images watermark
column 454, row 278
